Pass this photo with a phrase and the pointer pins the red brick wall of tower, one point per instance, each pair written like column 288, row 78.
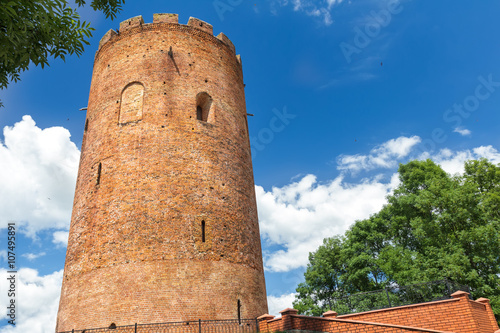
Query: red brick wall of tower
column 164, row 224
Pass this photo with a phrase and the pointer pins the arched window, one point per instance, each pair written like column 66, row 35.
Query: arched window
column 131, row 103
column 203, row 104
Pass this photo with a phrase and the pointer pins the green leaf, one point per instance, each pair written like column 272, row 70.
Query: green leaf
column 33, row 31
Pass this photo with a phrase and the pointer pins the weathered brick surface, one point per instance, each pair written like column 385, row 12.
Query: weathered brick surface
column 459, row 315
column 150, row 173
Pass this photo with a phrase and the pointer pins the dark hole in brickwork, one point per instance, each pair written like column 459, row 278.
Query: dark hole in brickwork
column 112, row 326
column 86, row 125
column 203, row 231
column 199, row 113
column 99, row 169
column 162, row 126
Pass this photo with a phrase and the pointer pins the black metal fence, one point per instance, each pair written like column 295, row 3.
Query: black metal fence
column 197, row 326
column 396, row 296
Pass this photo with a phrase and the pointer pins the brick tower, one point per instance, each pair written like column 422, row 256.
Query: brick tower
column 164, row 224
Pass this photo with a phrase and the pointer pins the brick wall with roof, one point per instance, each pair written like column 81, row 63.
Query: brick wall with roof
column 458, row 315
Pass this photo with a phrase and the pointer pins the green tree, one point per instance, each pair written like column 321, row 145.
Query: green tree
column 435, row 226
column 33, row 31
column 323, row 279
column 445, row 227
column 364, row 242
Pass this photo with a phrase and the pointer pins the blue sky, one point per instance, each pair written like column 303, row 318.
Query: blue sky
column 355, row 87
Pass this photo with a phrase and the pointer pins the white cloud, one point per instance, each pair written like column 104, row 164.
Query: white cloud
column 488, row 152
column 277, row 304
column 33, row 256
column 320, row 9
column 385, row 155
column 331, row 3
column 60, row 238
column 462, row 131
column 299, row 215
column 3, row 255
column 37, row 300
column 38, row 176
column 453, row 161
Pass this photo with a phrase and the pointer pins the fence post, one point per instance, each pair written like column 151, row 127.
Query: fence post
column 135, row 329
column 199, row 325
column 388, row 298
column 257, row 324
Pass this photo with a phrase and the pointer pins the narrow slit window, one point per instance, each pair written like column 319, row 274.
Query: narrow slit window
column 86, row 125
column 239, row 312
column 99, row 168
column 203, row 231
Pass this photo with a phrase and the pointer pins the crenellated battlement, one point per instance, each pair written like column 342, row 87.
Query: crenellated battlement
column 166, row 19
